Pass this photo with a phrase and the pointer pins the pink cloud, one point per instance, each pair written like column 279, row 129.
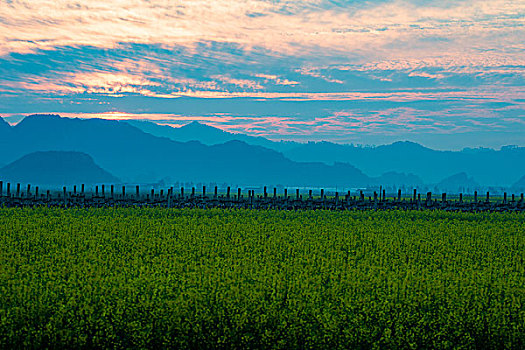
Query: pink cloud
column 145, row 82
column 503, row 94
column 242, row 83
column 426, row 75
column 277, row 79
column 314, row 72
column 306, row 29
column 95, row 82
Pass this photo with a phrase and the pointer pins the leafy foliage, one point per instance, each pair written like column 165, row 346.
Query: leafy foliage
column 161, row 278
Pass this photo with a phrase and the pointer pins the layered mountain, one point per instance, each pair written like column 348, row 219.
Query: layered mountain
column 207, row 135
column 488, row 166
column 460, row 182
column 4, row 125
column 56, row 168
column 520, row 184
column 135, row 156
column 5, row 135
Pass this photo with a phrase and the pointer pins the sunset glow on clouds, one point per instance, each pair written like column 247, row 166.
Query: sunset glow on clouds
column 346, row 71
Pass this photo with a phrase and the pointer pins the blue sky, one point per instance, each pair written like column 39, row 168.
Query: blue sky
column 447, row 74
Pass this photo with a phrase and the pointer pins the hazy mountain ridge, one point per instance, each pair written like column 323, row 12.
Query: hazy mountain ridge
column 56, row 168
column 5, row 136
column 460, row 182
column 489, row 167
column 4, row 125
column 136, row 156
column 207, row 135
column 520, row 184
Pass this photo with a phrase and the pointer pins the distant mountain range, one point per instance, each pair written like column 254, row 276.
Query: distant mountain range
column 56, row 168
column 460, row 182
column 4, row 125
column 146, row 152
column 207, row 135
column 489, row 167
column 5, row 137
column 519, row 185
column 136, row 156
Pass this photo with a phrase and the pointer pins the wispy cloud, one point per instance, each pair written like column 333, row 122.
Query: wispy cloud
column 314, row 72
column 299, row 28
column 153, row 83
column 426, row 67
column 242, row 83
column 276, row 79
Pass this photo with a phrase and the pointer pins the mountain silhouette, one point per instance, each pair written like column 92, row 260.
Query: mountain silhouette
column 5, row 130
column 5, row 137
column 488, row 166
column 135, row 156
column 55, row 168
column 4, row 125
column 460, row 182
column 520, row 184
column 207, row 135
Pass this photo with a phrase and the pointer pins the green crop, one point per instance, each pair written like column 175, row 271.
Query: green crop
column 164, row 278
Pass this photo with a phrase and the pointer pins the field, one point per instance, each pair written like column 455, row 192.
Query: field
column 192, row 278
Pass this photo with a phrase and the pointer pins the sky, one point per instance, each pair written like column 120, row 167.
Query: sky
column 446, row 74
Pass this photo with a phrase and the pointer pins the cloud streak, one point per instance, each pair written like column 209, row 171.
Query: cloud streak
column 383, row 67
column 117, row 84
column 298, row 28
